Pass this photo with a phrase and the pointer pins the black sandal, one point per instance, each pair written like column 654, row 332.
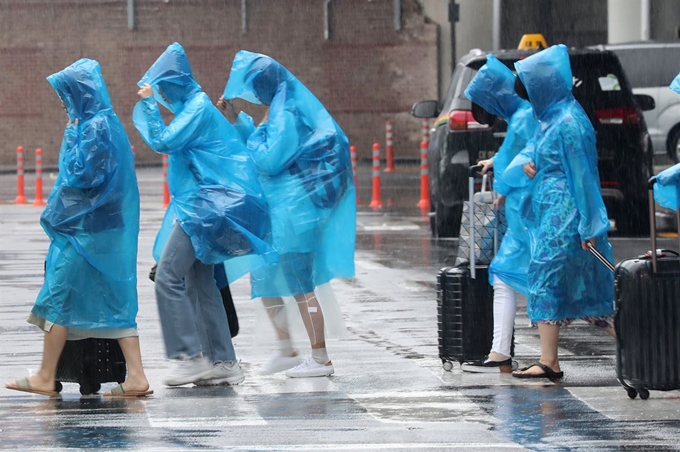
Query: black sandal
column 547, row 373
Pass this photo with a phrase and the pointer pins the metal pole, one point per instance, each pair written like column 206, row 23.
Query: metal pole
column 131, row 14
column 327, row 19
column 645, row 16
column 397, row 14
column 496, row 33
column 244, row 16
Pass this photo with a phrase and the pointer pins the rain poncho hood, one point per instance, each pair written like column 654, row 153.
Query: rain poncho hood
column 564, row 205
column 492, row 88
column 303, row 159
column 667, row 187
column 92, row 213
column 216, row 195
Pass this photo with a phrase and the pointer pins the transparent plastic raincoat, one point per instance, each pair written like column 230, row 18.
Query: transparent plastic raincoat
column 492, row 88
column 302, row 156
column 216, row 195
column 564, row 206
column 92, row 213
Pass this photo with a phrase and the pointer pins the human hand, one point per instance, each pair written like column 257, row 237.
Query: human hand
column 75, row 121
column 265, row 118
column 222, row 104
column 145, row 91
column 486, row 165
column 584, row 245
column 529, row 169
column 499, row 201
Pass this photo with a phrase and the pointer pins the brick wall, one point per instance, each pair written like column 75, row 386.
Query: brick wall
column 365, row 73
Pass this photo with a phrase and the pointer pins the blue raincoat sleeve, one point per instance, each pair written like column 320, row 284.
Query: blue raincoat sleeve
column 581, row 167
column 302, row 157
column 667, row 187
column 92, row 213
column 244, row 125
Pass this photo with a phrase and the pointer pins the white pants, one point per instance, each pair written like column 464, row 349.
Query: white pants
column 504, row 306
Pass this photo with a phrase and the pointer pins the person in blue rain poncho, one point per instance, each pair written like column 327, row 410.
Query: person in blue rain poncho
column 302, row 156
column 92, row 220
column 667, row 187
column 563, row 211
column 218, row 212
column 493, row 89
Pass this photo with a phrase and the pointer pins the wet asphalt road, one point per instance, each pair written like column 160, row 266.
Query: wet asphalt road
column 389, row 392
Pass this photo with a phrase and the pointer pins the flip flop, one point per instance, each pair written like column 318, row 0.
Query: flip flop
column 24, row 385
column 547, row 373
column 119, row 391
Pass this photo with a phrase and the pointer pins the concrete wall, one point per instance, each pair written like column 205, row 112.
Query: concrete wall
column 365, row 73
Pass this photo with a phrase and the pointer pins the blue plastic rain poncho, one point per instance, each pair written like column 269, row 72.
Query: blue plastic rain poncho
column 303, row 159
column 564, row 206
column 667, row 187
column 92, row 213
column 216, row 195
column 493, row 89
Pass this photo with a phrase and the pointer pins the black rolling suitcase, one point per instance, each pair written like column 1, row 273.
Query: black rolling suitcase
column 465, row 301
column 91, row 362
column 464, row 314
column 647, row 322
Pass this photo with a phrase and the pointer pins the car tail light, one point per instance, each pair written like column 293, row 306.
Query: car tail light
column 627, row 115
column 463, row 120
column 610, row 184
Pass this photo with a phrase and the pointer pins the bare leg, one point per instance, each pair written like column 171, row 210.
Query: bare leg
column 312, row 316
column 53, row 345
column 136, row 379
column 549, row 336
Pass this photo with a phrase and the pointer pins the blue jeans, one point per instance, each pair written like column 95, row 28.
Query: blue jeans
column 189, row 303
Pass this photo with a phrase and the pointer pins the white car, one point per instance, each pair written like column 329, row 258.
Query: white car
column 651, row 66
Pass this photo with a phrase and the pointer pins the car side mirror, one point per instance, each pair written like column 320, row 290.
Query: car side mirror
column 425, row 109
column 645, row 102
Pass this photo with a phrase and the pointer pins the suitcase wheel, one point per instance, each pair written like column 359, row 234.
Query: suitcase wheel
column 632, row 393
column 644, row 393
column 89, row 388
column 58, row 386
column 448, row 365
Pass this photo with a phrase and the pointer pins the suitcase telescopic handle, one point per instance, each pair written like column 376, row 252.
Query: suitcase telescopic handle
column 652, row 221
column 600, row 257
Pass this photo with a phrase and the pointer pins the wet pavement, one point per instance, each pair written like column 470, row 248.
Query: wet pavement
column 390, row 391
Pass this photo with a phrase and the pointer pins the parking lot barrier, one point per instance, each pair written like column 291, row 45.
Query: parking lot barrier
column 38, row 179
column 376, row 203
column 166, row 189
column 424, row 202
column 389, row 147
column 353, row 158
column 21, row 195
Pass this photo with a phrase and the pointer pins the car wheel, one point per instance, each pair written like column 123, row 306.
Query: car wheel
column 447, row 220
column 674, row 151
column 632, row 218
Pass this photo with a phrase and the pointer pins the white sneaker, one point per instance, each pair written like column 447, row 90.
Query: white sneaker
column 279, row 363
column 188, row 370
column 310, row 368
column 224, row 373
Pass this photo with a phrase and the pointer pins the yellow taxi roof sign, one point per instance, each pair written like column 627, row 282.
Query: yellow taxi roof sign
column 532, row 41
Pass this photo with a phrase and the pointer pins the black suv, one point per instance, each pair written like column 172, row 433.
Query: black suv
column 600, row 85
